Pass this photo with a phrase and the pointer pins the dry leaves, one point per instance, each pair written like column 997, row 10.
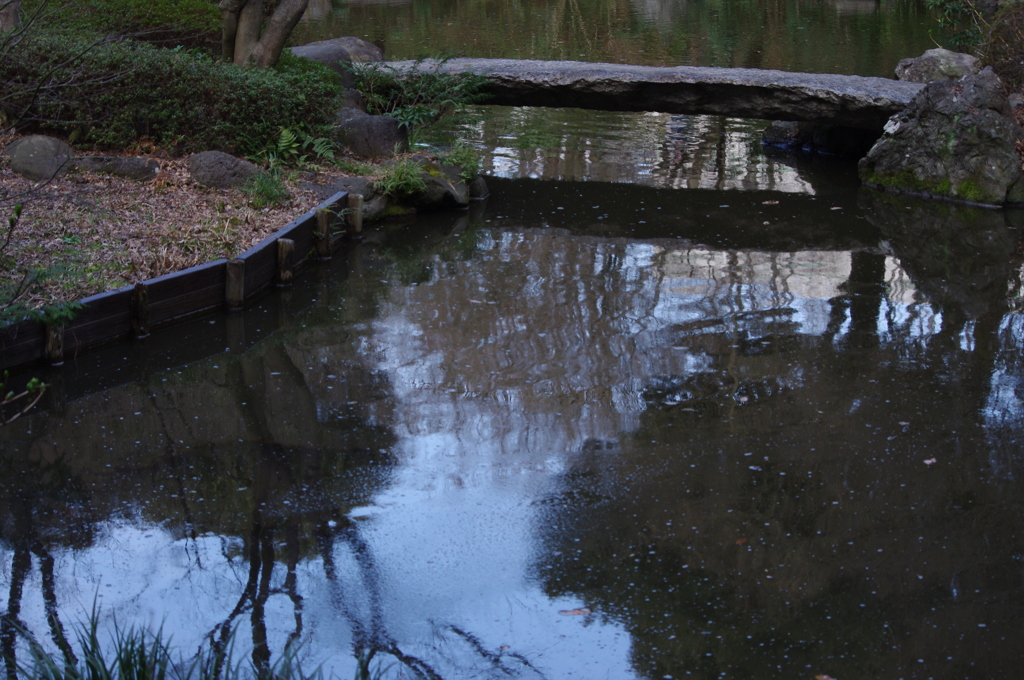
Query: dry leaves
column 111, row 232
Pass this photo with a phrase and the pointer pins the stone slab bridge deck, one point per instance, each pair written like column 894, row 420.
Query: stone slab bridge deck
column 849, row 101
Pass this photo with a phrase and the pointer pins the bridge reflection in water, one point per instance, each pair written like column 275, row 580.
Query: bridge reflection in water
column 708, row 431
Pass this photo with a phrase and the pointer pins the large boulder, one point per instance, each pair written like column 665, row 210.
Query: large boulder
column 38, row 157
column 220, row 170
column 956, row 140
column 937, row 64
column 337, row 52
column 369, row 136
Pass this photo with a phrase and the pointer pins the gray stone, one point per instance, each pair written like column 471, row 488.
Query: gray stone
column 374, row 208
column 39, row 157
column 957, row 140
column 220, row 170
column 851, row 101
column 369, row 136
column 353, row 99
column 339, row 51
column 937, row 64
column 373, row 203
column 445, row 189
column 131, row 167
column 353, row 185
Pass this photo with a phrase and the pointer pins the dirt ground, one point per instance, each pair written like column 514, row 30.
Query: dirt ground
column 106, row 232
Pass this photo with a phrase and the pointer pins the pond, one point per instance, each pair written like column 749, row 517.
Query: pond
column 663, row 406
column 585, row 430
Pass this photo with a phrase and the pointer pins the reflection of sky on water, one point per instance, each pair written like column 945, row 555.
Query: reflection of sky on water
column 503, row 369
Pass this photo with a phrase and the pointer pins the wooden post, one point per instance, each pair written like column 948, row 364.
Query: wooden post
column 55, row 344
column 323, row 234
column 355, row 214
column 140, row 310
column 234, row 288
column 285, row 250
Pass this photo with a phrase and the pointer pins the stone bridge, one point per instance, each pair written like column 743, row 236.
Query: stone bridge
column 848, row 101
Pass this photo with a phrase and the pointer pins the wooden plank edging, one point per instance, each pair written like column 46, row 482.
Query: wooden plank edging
column 164, row 300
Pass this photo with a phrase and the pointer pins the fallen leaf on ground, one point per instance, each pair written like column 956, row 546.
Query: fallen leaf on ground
column 583, row 611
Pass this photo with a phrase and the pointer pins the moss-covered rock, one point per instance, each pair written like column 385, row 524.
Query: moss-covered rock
column 956, row 140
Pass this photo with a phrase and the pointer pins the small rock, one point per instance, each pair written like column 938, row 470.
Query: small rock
column 39, row 157
column 220, row 170
column 132, row 168
column 369, row 136
column 937, row 64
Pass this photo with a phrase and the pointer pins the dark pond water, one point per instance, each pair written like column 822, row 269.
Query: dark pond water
column 585, row 430
column 664, row 406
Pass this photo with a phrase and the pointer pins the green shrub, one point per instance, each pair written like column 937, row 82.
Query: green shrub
column 464, row 156
column 189, row 22
column 961, row 18
column 419, row 96
column 1003, row 45
column 265, row 190
column 116, row 93
column 400, row 179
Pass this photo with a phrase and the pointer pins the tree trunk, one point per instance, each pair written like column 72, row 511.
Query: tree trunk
column 243, row 41
column 229, row 10
column 279, row 26
column 10, row 14
column 250, row 20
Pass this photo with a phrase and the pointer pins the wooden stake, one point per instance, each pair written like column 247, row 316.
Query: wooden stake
column 55, row 344
column 323, row 234
column 234, row 288
column 285, row 250
column 140, row 310
column 355, row 214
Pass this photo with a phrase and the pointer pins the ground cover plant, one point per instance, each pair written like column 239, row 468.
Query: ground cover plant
column 135, row 654
column 419, row 96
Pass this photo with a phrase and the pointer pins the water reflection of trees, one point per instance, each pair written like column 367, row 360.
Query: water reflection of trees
column 270, row 447
column 805, row 534
column 779, row 34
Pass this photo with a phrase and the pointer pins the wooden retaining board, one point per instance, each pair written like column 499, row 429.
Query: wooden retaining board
column 182, row 294
column 22, row 343
column 261, row 259
column 103, row 317
column 110, row 316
